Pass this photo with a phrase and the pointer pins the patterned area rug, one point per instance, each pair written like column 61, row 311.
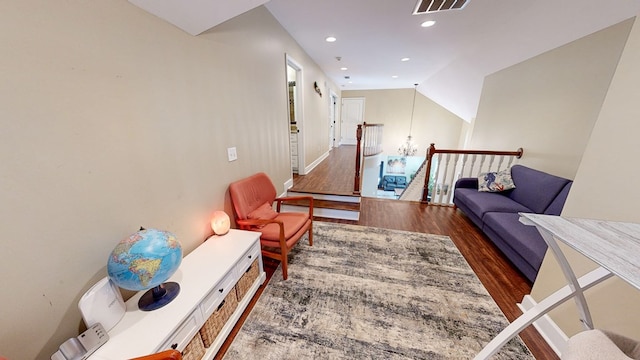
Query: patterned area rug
column 370, row 293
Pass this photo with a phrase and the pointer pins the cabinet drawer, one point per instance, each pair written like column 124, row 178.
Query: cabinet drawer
column 245, row 262
column 181, row 337
column 217, row 294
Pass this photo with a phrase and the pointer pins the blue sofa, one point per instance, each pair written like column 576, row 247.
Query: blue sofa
column 496, row 213
column 391, row 182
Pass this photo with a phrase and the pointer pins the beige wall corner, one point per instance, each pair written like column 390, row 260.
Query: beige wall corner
column 548, row 104
column 604, row 188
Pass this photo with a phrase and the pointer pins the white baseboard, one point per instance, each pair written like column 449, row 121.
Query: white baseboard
column 287, row 185
column 341, row 198
column 550, row 332
column 312, row 166
column 325, row 212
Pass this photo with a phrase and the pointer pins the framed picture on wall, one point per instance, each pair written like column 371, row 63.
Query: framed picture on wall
column 396, row 165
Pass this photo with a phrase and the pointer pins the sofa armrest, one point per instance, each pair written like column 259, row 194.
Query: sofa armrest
column 467, row 183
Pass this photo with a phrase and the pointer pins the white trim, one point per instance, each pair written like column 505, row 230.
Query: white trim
column 288, row 185
column 547, row 328
column 315, row 163
column 324, row 212
column 341, row 198
column 333, row 115
column 299, row 110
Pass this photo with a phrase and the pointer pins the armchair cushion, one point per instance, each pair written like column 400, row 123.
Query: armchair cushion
column 250, row 193
column 293, row 222
column 264, row 212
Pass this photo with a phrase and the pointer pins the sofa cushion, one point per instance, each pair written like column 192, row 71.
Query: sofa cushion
column 535, row 189
column 401, row 180
column 389, row 178
column 481, row 202
column 495, row 181
column 524, row 239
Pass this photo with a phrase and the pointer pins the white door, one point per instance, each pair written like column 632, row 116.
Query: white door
column 352, row 116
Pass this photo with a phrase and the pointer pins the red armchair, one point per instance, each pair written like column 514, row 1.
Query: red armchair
column 253, row 199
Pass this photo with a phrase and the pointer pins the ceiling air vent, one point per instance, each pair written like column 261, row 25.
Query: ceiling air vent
column 429, row 6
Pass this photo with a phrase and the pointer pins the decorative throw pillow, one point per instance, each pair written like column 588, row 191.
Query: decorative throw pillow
column 496, row 181
column 263, row 212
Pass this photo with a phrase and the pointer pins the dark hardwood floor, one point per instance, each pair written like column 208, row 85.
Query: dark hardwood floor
column 505, row 284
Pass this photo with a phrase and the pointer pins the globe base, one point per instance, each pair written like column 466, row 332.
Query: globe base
column 159, row 296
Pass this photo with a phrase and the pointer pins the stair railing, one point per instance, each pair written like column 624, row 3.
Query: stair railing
column 445, row 167
column 369, row 143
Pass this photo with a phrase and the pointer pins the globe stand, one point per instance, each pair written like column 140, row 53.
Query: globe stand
column 158, row 296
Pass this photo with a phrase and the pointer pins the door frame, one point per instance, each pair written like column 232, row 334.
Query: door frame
column 333, row 110
column 298, row 109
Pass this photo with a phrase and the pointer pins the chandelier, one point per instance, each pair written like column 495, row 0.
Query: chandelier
column 409, row 148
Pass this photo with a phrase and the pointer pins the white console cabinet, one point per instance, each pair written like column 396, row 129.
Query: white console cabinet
column 206, row 276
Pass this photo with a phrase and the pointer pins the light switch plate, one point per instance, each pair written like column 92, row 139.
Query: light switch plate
column 232, row 154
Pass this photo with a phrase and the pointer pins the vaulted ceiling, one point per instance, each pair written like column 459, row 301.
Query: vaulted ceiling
column 449, row 60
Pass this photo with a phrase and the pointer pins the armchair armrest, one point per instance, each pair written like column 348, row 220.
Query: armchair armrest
column 309, row 199
column 247, row 223
column 468, row 183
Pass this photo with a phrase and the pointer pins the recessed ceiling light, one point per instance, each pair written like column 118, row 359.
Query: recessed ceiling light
column 344, row 69
column 330, row 39
column 405, row 59
column 350, row 82
column 428, row 23
column 394, row 76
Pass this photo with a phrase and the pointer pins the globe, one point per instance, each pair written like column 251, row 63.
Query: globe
column 145, row 260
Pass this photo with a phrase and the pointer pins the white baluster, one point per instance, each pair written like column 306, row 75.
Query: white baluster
column 443, row 182
column 491, row 158
column 436, row 177
column 473, row 164
column 448, row 187
column 500, row 163
column 482, row 159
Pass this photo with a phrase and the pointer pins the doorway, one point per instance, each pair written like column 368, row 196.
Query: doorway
column 294, row 97
column 352, row 116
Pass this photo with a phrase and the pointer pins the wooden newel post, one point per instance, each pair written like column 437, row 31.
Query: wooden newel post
column 356, row 180
column 425, row 190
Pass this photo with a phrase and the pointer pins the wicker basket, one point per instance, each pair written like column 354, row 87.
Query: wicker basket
column 216, row 321
column 195, row 349
column 247, row 279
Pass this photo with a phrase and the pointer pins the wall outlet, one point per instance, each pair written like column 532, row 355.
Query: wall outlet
column 232, row 154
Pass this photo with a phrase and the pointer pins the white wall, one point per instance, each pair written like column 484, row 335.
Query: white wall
column 605, row 188
column 113, row 119
column 548, row 104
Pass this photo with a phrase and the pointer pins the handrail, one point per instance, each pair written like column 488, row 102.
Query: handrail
column 372, row 145
column 431, row 151
column 356, row 180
